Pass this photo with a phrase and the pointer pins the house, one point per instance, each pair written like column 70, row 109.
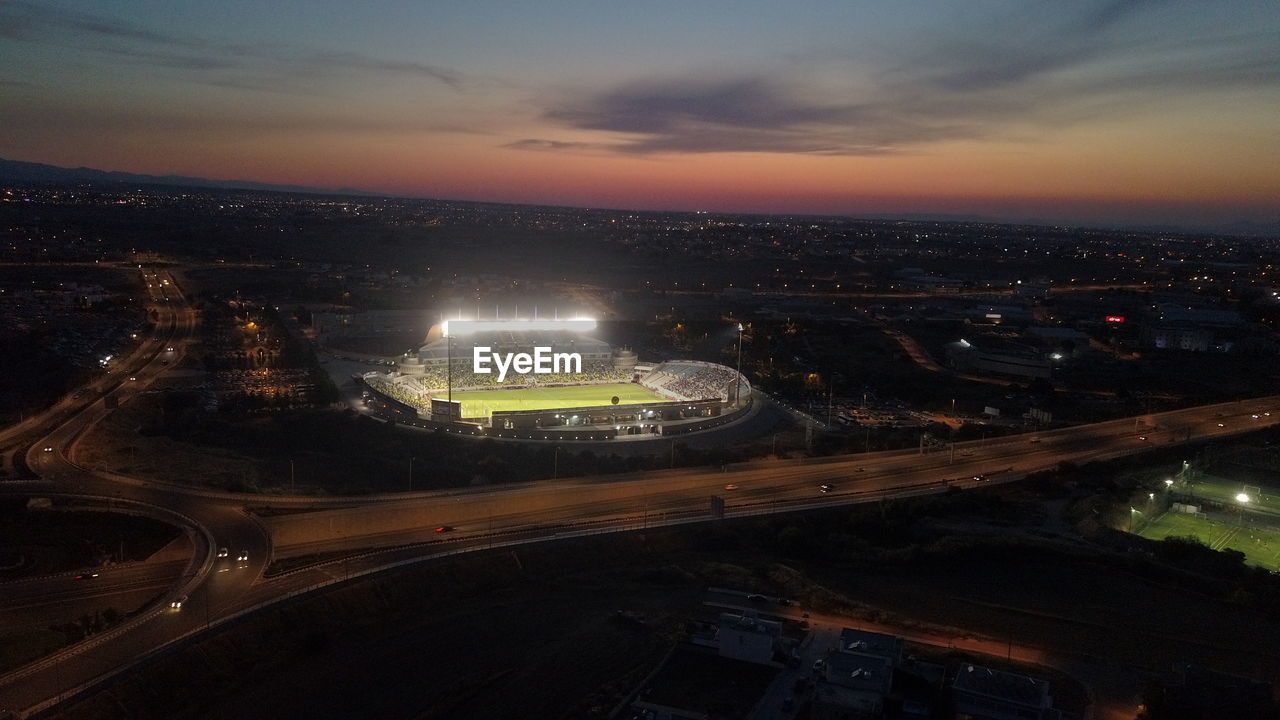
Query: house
column 982, row 693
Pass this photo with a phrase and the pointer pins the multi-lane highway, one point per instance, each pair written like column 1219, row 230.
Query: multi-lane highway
column 359, row 535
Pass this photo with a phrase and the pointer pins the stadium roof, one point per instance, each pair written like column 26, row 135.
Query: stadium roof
column 458, row 328
column 508, row 341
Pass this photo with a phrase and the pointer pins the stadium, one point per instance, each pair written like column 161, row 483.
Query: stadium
column 607, row 394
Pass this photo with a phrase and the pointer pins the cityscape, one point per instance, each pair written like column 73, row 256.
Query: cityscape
column 839, row 362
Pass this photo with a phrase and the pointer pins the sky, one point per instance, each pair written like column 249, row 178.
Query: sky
column 1135, row 112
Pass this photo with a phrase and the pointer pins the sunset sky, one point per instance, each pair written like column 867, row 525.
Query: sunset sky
column 1162, row 112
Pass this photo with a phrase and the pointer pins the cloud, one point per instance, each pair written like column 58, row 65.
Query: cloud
column 353, row 61
column 541, row 144
column 752, row 114
column 204, row 58
column 977, row 79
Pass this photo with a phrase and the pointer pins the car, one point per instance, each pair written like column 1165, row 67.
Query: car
column 243, row 557
column 222, row 552
column 1143, row 438
column 1221, row 425
column 445, row 529
column 1255, row 416
column 979, row 478
column 169, row 349
column 826, row 488
column 48, row 448
column 757, row 598
column 1267, row 414
column 1035, row 439
column 176, row 603
column 730, row 486
column 87, row 576
column 133, row 377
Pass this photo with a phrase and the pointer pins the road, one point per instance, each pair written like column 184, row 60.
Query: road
column 373, row 533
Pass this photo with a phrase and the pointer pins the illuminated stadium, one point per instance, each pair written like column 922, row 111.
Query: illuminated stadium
column 558, row 383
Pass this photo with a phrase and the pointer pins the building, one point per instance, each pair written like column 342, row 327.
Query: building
column 744, row 637
column 1177, row 337
column 982, row 693
column 857, row 678
column 871, row 644
column 999, row 357
column 855, row 687
column 1172, row 326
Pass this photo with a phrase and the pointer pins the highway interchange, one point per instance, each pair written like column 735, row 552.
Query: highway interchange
column 338, row 538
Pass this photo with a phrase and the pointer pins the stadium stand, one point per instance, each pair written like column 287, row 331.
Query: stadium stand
column 688, row 381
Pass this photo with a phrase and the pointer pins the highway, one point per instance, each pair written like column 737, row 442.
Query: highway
column 354, row 536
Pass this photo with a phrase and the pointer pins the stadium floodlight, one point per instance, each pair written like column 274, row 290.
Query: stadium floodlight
column 1242, row 497
column 452, row 328
column 1168, row 482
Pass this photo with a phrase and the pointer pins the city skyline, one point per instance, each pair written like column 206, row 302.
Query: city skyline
column 1121, row 113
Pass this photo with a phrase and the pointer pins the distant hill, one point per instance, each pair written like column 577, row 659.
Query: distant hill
column 29, row 172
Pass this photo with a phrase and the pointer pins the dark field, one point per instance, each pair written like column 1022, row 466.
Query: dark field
column 536, row 634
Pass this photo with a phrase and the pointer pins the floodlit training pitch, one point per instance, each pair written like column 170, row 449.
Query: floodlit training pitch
column 483, row 403
column 1259, row 543
column 1224, row 490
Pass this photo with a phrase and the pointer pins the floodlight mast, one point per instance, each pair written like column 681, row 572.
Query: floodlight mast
column 737, row 381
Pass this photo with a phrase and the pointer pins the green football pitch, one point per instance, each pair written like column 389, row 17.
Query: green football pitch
column 1259, row 542
column 482, row 403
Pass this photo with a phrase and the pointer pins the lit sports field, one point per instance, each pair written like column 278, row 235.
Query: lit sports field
column 482, row 403
column 1259, row 543
column 1224, row 490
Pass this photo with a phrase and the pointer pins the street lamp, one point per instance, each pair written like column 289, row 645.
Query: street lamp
column 1168, row 482
column 737, row 381
column 1243, row 499
column 1132, row 511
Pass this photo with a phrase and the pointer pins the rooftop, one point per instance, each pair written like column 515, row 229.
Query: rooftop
column 1006, row 686
column 860, row 672
column 870, row 643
